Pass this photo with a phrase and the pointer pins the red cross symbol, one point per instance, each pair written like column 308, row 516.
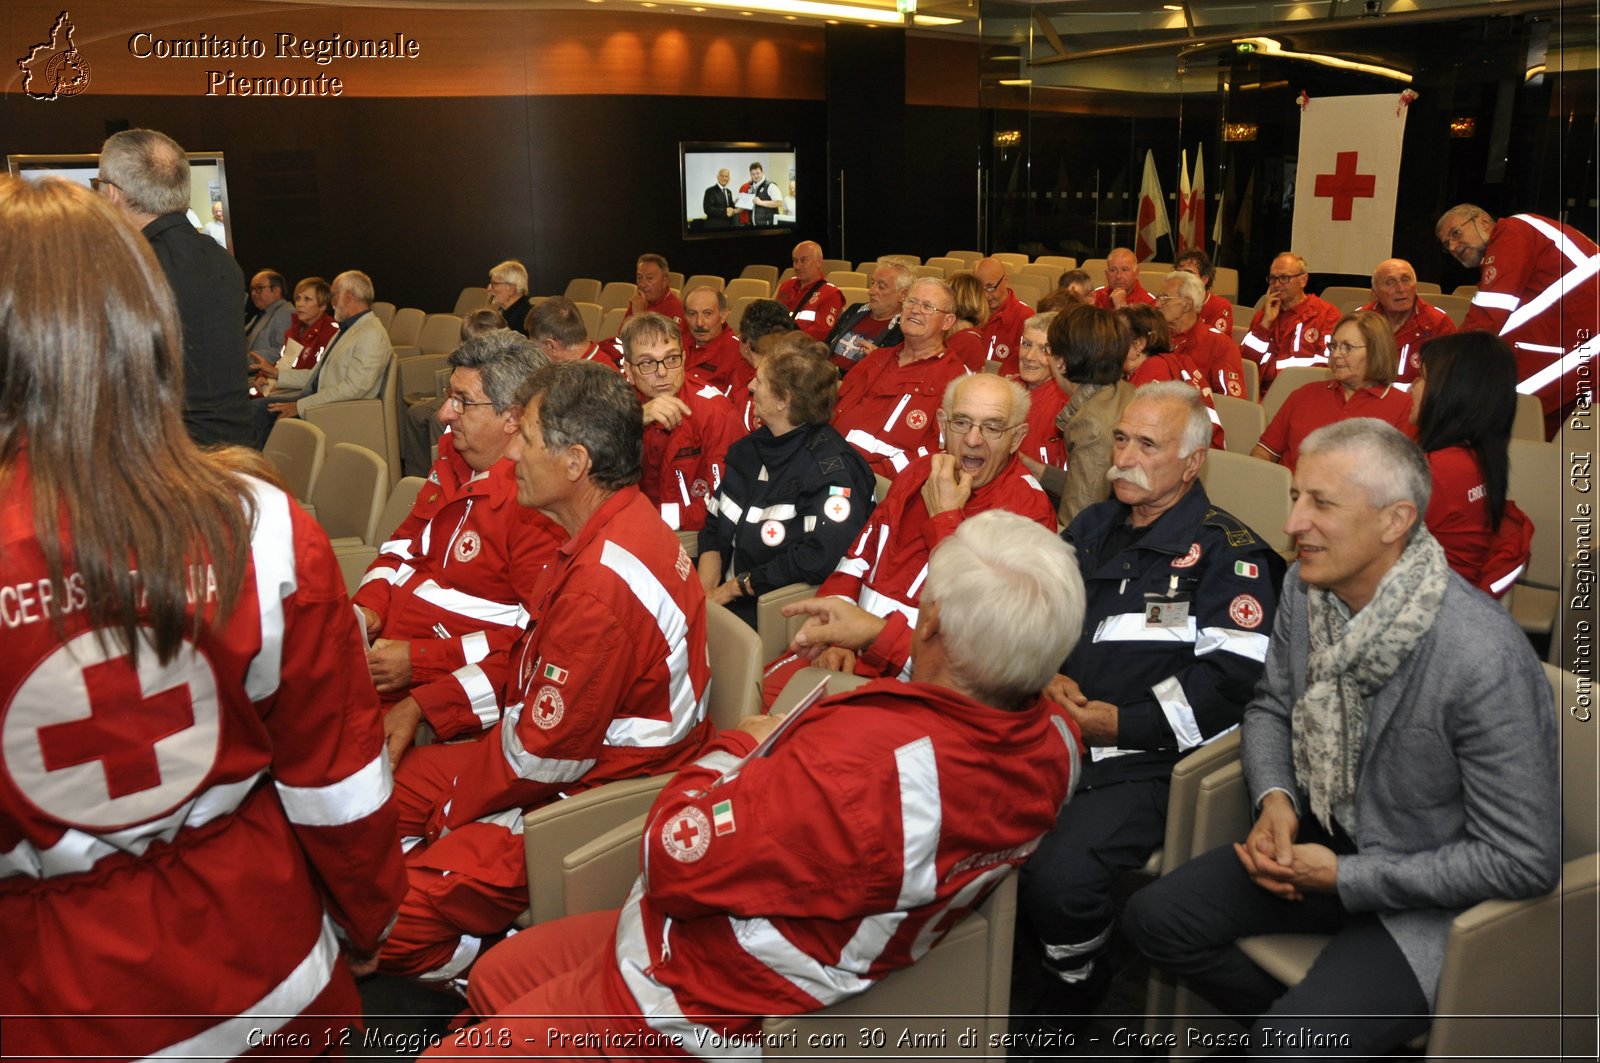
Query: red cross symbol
column 685, row 833
column 122, row 729
column 1344, row 185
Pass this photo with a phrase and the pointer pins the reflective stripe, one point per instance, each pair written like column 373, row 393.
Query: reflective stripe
column 474, row 646
column 1129, row 627
column 686, row 709
column 466, row 952
column 397, row 548
column 882, row 605
column 1082, row 948
column 782, row 511
column 719, row 761
column 529, row 766
column 1074, row 757
column 272, row 552
column 809, row 525
column 727, row 507
column 1557, row 369
column 1290, row 363
column 1540, row 348
column 852, row 566
column 1254, row 342
column 1179, row 713
column 1551, row 295
column 281, row 1006
column 355, row 797
column 916, row 584
column 883, row 542
column 877, row 447
column 1555, row 236
column 1499, row 585
column 374, row 574
column 895, row 416
column 1028, row 479
column 505, row 614
column 481, row 695
column 669, row 514
column 1496, row 301
column 1248, row 644
column 1216, row 419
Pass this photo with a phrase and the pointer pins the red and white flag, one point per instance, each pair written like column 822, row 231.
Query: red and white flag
column 1152, row 212
column 1184, row 239
column 1346, row 181
column 1196, row 234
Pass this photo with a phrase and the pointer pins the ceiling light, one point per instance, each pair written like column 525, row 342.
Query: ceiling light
column 820, row 9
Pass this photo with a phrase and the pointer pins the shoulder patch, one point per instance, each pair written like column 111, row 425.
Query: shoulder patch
column 1238, row 533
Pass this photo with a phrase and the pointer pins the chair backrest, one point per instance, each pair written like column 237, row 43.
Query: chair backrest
column 1178, row 846
column 1529, row 422
column 947, row 263
column 853, row 295
column 1031, row 288
column 1149, row 271
column 1429, row 288
column 583, row 290
column 1454, row 305
column 553, row 830
column 805, row 680
column 968, row 259
column 350, row 493
column 703, row 280
column 441, row 334
column 398, row 508
column 908, row 261
column 736, row 305
column 1046, row 272
column 1536, row 477
column 675, row 281
column 611, row 323
column 372, row 423
column 1346, row 298
column 593, row 314
column 735, row 652
column 1580, row 757
column 936, row 272
column 1243, row 422
column 1093, row 265
column 881, row 487
column 406, row 326
column 848, row 278
column 785, row 275
column 297, row 450
column 1254, row 490
column 384, row 312
column 1226, row 284
column 775, row 630
column 831, row 264
column 1465, row 291
column 1059, row 263
column 1285, row 383
column 755, row 286
column 474, row 298
column 1010, row 259
column 1252, row 371
column 616, row 293
column 760, row 271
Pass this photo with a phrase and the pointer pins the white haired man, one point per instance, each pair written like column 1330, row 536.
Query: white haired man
column 1413, row 319
column 1400, row 753
column 864, row 327
column 796, row 864
column 1183, row 294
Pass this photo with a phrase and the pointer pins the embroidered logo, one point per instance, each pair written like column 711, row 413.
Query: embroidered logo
column 1190, row 559
column 683, row 565
column 837, row 508
column 468, row 546
column 772, row 532
column 1246, row 611
column 548, row 708
column 916, row 420
column 686, row 835
column 699, row 489
column 1313, row 335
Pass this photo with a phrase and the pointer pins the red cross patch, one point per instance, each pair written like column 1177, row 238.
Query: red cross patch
column 1312, row 335
column 686, row 835
column 772, row 532
column 548, row 708
column 916, row 420
column 699, row 489
column 1189, row 560
column 468, row 546
column 683, row 565
column 1246, row 611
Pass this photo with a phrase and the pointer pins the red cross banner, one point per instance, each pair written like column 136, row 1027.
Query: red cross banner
column 1345, row 185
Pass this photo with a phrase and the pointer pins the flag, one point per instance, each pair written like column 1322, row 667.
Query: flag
column 1348, row 174
column 1183, row 239
column 1152, row 221
column 1197, row 202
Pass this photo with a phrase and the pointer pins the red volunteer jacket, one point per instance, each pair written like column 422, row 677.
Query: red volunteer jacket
column 887, row 410
column 819, row 312
column 683, row 467
column 1299, row 335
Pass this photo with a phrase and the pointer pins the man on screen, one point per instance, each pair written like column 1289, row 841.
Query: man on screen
column 718, row 203
column 768, row 200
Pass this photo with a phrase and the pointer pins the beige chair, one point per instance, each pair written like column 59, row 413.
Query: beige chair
column 853, row 295
column 868, row 266
column 384, row 312
column 441, row 334
column 736, row 307
column 1512, row 969
column 583, row 290
column 611, row 323
column 881, row 487
column 1094, row 266
column 1454, row 305
column 908, row 261
column 1537, row 475
column 1059, row 263
column 775, row 630
column 1254, row 490
column 1285, row 383
column 1346, row 298
column 1251, row 371
column 1226, row 284
column 349, row 499
column 784, row 276
column 616, row 293
column 1429, row 288
column 1011, row 260
column 805, row 680
column 736, row 664
column 968, row 259
column 752, row 286
column 418, row 374
column 593, row 315
column 1465, row 291
column 829, row 265
column 406, row 326
column 1243, row 422
column 359, row 558
column 1044, row 271
column 846, row 278
column 470, row 299
column 1149, row 271
column 690, row 541
column 948, row 263
column 762, row 272
column 703, row 280
column 936, row 272
column 1529, row 423
column 371, row 423
column 297, row 449
column 1030, row 289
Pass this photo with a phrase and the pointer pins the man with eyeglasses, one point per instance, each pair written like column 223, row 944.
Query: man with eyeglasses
column 1122, row 287
column 814, row 302
column 1145, row 687
column 889, row 403
column 1217, row 312
column 508, row 293
column 1413, row 319
column 1183, row 294
column 1007, row 314
column 1293, row 327
column 688, row 424
column 1539, row 290
column 448, row 586
column 273, row 315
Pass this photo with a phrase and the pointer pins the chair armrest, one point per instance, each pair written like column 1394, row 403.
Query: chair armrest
column 1222, row 813
column 775, row 629
column 552, row 831
column 1187, row 776
column 598, row 874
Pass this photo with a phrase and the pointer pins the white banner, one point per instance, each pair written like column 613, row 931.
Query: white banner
column 1348, row 173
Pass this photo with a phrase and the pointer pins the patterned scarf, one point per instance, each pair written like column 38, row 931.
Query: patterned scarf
column 1350, row 662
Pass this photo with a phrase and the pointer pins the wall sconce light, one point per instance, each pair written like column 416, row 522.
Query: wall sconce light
column 1007, row 138
column 1239, row 131
column 1463, row 128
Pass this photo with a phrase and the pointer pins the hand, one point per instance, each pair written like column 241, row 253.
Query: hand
column 1268, row 851
column 668, row 411
column 832, row 622
column 374, row 622
column 637, row 303
column 758, row 726
column 729, row 211
column 389, row 662
column 836, row 659
column 1064, row 691
column 1269, row 309
column 948, row 486
column 1096, row 720
column 284, row 409
column 400, row 725
column 725, row 592
column 1119, row 298
column 262, row 366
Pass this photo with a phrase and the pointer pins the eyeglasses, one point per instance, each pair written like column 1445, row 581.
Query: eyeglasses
column 1454, row 235
column 1342, row 349
column 261, row 287
column 499, row 284
column 96, row 182
column 923, row 305
column 459, row 404
column 992, row 288
column 1283, row 278
column 649, row 365
column 963, row 426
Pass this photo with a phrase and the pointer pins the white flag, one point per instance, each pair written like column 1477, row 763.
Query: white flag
column 1197, row 202
column 1152, row 212
column 1348, row 172
column 1184, row 239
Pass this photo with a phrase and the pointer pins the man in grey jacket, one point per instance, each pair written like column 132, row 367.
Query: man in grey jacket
column 1401, row 756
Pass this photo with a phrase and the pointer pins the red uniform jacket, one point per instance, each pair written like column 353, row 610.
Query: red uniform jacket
column 684, row 466
column 1299, row 335
column 1217, row 315
column 717, row 361
column 887, row 410
column 1215, row 355
column 1136, row 294
column 820, row 310
column 1426, row 322
column 1171, row 366
column 1003, row 331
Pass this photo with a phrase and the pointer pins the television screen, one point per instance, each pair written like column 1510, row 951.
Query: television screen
column 208, row 185
column 737, row 187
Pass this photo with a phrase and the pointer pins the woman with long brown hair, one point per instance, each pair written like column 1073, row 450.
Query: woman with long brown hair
column 193, row 800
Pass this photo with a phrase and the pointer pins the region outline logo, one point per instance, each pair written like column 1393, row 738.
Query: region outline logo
column 55, row 68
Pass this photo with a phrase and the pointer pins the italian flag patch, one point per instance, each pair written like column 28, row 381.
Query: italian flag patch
column 554, row 674
column 1246, row 569
column 722, row 817
column 835, row 489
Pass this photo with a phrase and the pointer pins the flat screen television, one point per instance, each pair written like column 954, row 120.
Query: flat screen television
column 736, row 187
column 208, row 185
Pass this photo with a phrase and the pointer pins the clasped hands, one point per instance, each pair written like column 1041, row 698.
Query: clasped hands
column 1278, row 864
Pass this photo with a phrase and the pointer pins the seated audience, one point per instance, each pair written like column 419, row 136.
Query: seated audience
column 1362, row 357
column 1075, row 283
column 713, row 349
column 1215, row 311
column 794, row 493
column 864, row 327
column 1463, row 401
column 1399, row 772
column 307, row 336
column 508, row 293
column 966, row 339
column 688, row 425
column 264, row 335
column 815, row 303
column 1213, row 353
column 608, row 682
column 1151, row 358
column 1122, row 285
column 889, row 403
column 449, row 584
column 1043, row 443
column 1413, row 319
column 762, row 318
column 1293, row 327
column 421, row 428
column 788, row 881
column 556, row 327
column 1087, row 348
column 1007, row 313
column 653, row 293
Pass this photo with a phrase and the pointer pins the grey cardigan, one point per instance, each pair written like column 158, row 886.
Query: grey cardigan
column 1457, row 798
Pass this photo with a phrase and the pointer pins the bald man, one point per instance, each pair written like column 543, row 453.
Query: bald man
column 1415, row 322
column 1003, row 331
column 814, row 302
column 1122, row 287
